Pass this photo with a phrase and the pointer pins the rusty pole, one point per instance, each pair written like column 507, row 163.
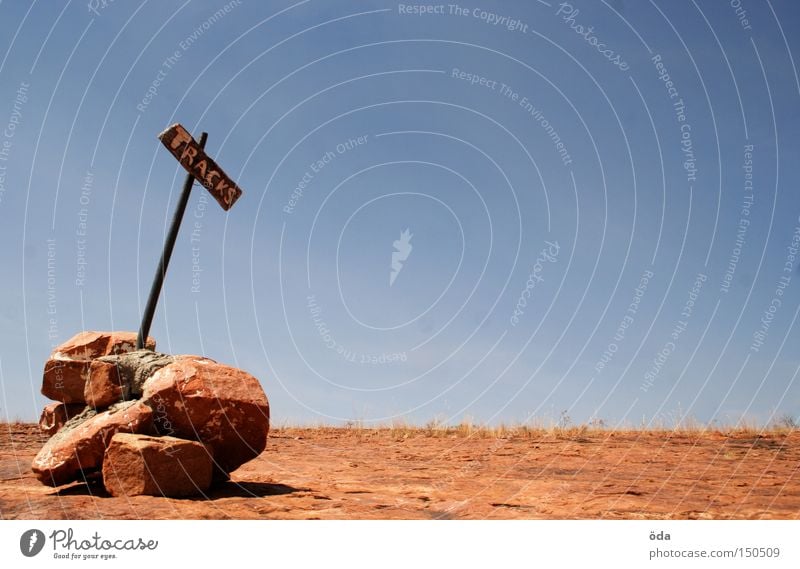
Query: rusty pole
column 169, row 245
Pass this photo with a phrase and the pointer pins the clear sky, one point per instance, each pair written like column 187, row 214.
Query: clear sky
column 503, row 211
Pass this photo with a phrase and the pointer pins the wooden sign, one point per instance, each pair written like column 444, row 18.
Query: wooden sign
column 194, row 159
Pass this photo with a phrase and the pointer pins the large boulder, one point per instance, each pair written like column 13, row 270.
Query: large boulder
column 77, row 449
column 121, row 377
column 220, row 406
column 69, row 367
column 56, row 415
column 156, row 466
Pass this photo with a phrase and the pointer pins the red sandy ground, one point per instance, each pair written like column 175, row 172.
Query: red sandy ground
column 328, row 473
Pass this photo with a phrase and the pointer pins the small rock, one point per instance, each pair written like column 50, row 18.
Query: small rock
column 103, row 386
column 221, row 406
column 77, row 448
column 90, row 345
column 121, row 377
column 137, row 465
column 65, row 380
column 69, row 367
column 56, row 415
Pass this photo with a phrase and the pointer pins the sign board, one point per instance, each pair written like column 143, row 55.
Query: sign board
column 194, row 159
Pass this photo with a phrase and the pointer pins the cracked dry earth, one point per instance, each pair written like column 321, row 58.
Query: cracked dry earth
column 330, row 473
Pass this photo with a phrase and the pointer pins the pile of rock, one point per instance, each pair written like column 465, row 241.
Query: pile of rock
column 149, row 423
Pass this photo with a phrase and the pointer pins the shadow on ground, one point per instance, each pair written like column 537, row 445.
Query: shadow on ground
column 251, row 489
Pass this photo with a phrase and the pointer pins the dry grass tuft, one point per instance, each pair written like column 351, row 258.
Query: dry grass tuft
column 561, row 430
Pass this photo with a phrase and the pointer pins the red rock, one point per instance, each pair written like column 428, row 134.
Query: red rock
column 77, row 449
column 137, row 465
column 55, row 416
column 89, row 345
column 65, row 380
column 223, row 407
column 68, row 369
column 121, row 377
column 103, row 385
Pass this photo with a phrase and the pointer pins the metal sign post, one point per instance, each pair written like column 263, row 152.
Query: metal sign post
column 201, row 167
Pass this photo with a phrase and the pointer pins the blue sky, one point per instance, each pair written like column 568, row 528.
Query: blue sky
column 585, row 236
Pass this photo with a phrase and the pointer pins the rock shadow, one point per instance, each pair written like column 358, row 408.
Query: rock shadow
column 250, row 490
column 224, row 490
column 88, row 488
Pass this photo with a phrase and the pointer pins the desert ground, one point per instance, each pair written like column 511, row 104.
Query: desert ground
column 457, row 473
